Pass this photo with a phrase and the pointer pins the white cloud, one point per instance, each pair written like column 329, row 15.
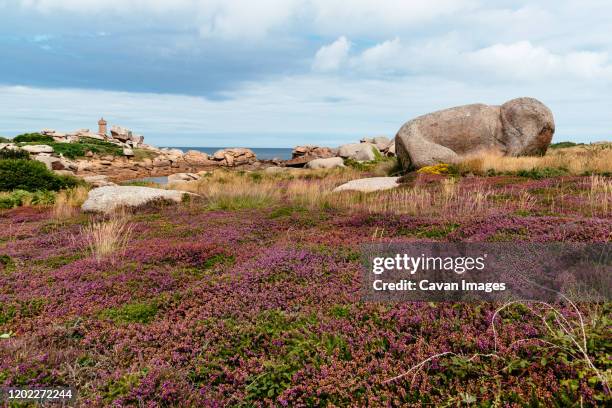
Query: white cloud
column 381, row 57
column 524, row 61
column 331, row 57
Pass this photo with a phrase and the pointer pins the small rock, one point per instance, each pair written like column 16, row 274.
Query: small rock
column 99, row 181
column 177, row 177
column 107, row 199
column 328, row 163
column 368, row 185
column 128, row 152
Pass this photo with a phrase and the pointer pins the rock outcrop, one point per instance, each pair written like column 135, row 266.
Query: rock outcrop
column 35, row 149
column 109, row 198
column 522, row 126
column 368, row 185
column 314, row 152
column 358, row 151
column 234, row 157
column 328, row 163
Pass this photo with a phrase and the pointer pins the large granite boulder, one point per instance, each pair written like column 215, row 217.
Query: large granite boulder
column 522, row 126
column 368, row 185
column 358, row 151
column 328, row 163
column 107, row 199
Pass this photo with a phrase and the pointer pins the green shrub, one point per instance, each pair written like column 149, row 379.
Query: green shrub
column 32, row 137
column 14, row 154
column 5, row 140
column 31, row 175
column 18, row 198
column 543, row 172
column 139, row 312
column 80, row 148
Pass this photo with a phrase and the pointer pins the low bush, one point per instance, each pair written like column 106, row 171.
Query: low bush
column 32, row 137
column 14, row 154
column 31, row 175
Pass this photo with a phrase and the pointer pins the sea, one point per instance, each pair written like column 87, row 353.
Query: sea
column 263, row 153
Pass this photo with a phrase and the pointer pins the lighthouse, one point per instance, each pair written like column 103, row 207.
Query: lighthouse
column 102, row 127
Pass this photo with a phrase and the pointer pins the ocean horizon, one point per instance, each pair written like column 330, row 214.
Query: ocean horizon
column 262, row 153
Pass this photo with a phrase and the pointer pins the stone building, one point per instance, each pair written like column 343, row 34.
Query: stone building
column 102, row 127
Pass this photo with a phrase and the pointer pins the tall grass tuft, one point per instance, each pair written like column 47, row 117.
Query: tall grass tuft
column 106, row 237
column 67, row 202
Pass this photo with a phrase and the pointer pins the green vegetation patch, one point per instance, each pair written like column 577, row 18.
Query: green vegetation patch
column 32, row 138
column 429, row 231
column 5, row 140
column 139, row 312
column 543, row 172
column 31, row 175
column 6, row 262
column 85, row 144
column 18, row 198
column 121, row 387
column 286, row 211
column 22, row 309
column 564, row 145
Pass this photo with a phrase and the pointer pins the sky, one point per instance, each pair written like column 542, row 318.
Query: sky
column 278, row 73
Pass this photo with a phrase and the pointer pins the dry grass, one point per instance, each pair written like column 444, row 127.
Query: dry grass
column 600, row 195
column 447, row 201
column 67, row 202
column 234, row 190
column 106, row 237
column 575, row 160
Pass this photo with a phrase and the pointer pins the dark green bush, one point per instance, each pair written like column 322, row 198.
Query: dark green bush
column 14, row 154
column 32, row 137
column 31, row 175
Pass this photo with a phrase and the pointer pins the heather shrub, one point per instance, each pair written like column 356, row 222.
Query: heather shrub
column 31, row 175
column 8, row 154
column 32, row 137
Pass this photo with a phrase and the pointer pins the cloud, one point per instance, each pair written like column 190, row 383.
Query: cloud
column 524, row 61
column 381, row 57
column 331, row 57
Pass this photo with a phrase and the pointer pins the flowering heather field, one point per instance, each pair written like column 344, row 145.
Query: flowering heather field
column 258, row 304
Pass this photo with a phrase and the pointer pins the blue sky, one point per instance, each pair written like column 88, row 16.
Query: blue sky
column 276, row 73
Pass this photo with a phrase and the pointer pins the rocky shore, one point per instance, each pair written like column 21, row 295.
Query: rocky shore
column 134, row 159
